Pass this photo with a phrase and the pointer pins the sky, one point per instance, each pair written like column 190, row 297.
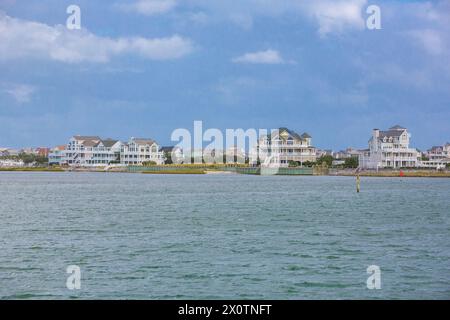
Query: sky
column 143, row 68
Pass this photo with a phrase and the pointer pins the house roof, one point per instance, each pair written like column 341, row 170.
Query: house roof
column 108, row 143
column 397, row 127
column 391, row 133
column 91, row 143
column 435, row 148
column 306, row 136
column 143, row 141
column 87, row 138
column 292, row 133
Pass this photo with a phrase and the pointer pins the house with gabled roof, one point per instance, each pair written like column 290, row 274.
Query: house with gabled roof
column 390, row 149
column 282, row 146
column 140, row 150
column 91, row 151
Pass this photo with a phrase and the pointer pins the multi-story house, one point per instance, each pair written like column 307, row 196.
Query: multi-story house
column 390, row 149
column 348, row 153
column 281, row 147
column 56, row 155
column 91, row 151
column 138, row 151
column 437, row 153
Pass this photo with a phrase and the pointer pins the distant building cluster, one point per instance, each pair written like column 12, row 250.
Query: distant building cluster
column 41, row 151
column 11, row 157
column 282, row 148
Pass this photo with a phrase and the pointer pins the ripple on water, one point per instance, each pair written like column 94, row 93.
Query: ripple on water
column 222, row 237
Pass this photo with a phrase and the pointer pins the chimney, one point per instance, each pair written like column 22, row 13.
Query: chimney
column 376, row 133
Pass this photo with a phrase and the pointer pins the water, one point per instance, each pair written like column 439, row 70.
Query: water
column 140, row 236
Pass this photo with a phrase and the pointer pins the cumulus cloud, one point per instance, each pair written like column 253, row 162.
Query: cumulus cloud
column 149, row 7
column 22, row 93
column 262, row 57
column 334, row 16
column 28, row 39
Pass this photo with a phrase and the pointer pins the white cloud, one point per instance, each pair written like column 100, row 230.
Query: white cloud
column 27, row 39
column 149, row 7
column 262, row 57
column 333, row 16
column 22, row 93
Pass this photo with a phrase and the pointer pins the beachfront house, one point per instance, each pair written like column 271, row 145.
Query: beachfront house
column 139, row 151
column 56, row 155
column 91, row 151
column 281, row 147
column 390, row 149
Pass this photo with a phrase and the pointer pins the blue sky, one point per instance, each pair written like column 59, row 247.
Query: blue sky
column 146, row 67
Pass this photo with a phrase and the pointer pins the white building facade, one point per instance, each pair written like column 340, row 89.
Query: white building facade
column 390, row 149
column 139, row 151
column 91, row 151
column 281, row 147
column 57, row 155
column 438, row 157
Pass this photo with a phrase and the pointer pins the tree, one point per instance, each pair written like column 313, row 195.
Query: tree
column 308, row 164
column 293, row 163
column 327, row 159
column 352, row 162
column 168, row 156
column 149, row 163
column 31, row 158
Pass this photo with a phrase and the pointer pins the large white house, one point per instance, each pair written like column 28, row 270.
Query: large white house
column 281, row 147
column 138, row 150
column 390, row 149
column 91, row 151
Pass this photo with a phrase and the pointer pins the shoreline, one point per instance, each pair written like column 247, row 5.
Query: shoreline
column 210, row 171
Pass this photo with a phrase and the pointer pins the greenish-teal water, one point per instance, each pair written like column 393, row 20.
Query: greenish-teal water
column 140, row 236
